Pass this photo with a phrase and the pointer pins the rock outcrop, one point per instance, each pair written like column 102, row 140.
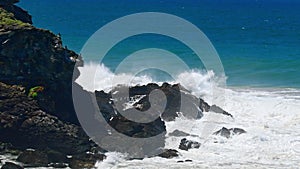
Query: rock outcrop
column 35, row 57
column 24, row 125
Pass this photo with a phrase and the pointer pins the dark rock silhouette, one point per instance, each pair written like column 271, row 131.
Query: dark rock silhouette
column 188, row 144
column 225, row 132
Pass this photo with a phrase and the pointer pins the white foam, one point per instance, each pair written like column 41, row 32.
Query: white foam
column 98, row 77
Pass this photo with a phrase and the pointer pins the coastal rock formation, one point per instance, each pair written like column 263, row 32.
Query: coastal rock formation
column 46, row 122
column 35, row 57
column 24, row 125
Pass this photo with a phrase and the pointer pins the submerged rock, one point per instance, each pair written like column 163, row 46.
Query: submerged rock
column 225, row 132
column 169, row 153
column 219, row 110
column 188, row 144
column 178, row 133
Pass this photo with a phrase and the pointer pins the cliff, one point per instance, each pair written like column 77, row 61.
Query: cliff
column 35, row 57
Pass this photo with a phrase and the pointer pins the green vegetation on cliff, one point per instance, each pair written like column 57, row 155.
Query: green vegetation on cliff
column 8, row 20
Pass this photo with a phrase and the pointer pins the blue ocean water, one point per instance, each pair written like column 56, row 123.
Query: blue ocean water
column 258, row 40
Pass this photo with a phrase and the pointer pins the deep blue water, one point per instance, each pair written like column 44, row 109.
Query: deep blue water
column 258, row 40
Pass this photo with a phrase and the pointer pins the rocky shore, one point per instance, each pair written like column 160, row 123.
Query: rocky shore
column 43, row 129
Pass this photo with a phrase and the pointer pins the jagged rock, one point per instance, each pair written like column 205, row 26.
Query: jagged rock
column 177, row 100
column 178, row 133
column 10, row 165
column 204, row 106
column 35, row 57
column 24, row 125
column 229, row 132
column 217, row 109
column 169, row 153
column 33, row 158
column 188, row 144
column 85, row 161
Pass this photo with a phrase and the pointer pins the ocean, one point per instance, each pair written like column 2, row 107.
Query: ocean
column 258, row 42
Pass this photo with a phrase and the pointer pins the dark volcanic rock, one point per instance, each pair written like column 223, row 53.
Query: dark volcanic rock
column 178, row 133
column 188, row 144
column 24, row 125
column 10, row 165
column 85, row 161
column 34, row 158
column 56, row 157
column 130, row 129
column 177, row 99
column 217, row 109
column 35, row 57
column 229, row 132
column 170, row 153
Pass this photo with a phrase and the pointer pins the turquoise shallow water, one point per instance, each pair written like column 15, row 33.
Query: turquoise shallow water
column 258, row 41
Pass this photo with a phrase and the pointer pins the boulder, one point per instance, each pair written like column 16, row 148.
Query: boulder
column 217, row 109
column 178, row 133
column 169, row 153
column 225, row 132
column 188, row 144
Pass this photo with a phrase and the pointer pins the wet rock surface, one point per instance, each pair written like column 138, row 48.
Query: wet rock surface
column 169, row 153
column 225, row 132
column 188, row 144
column 86, row 161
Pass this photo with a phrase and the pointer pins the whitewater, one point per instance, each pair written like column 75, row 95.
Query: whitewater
column 271, row 117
